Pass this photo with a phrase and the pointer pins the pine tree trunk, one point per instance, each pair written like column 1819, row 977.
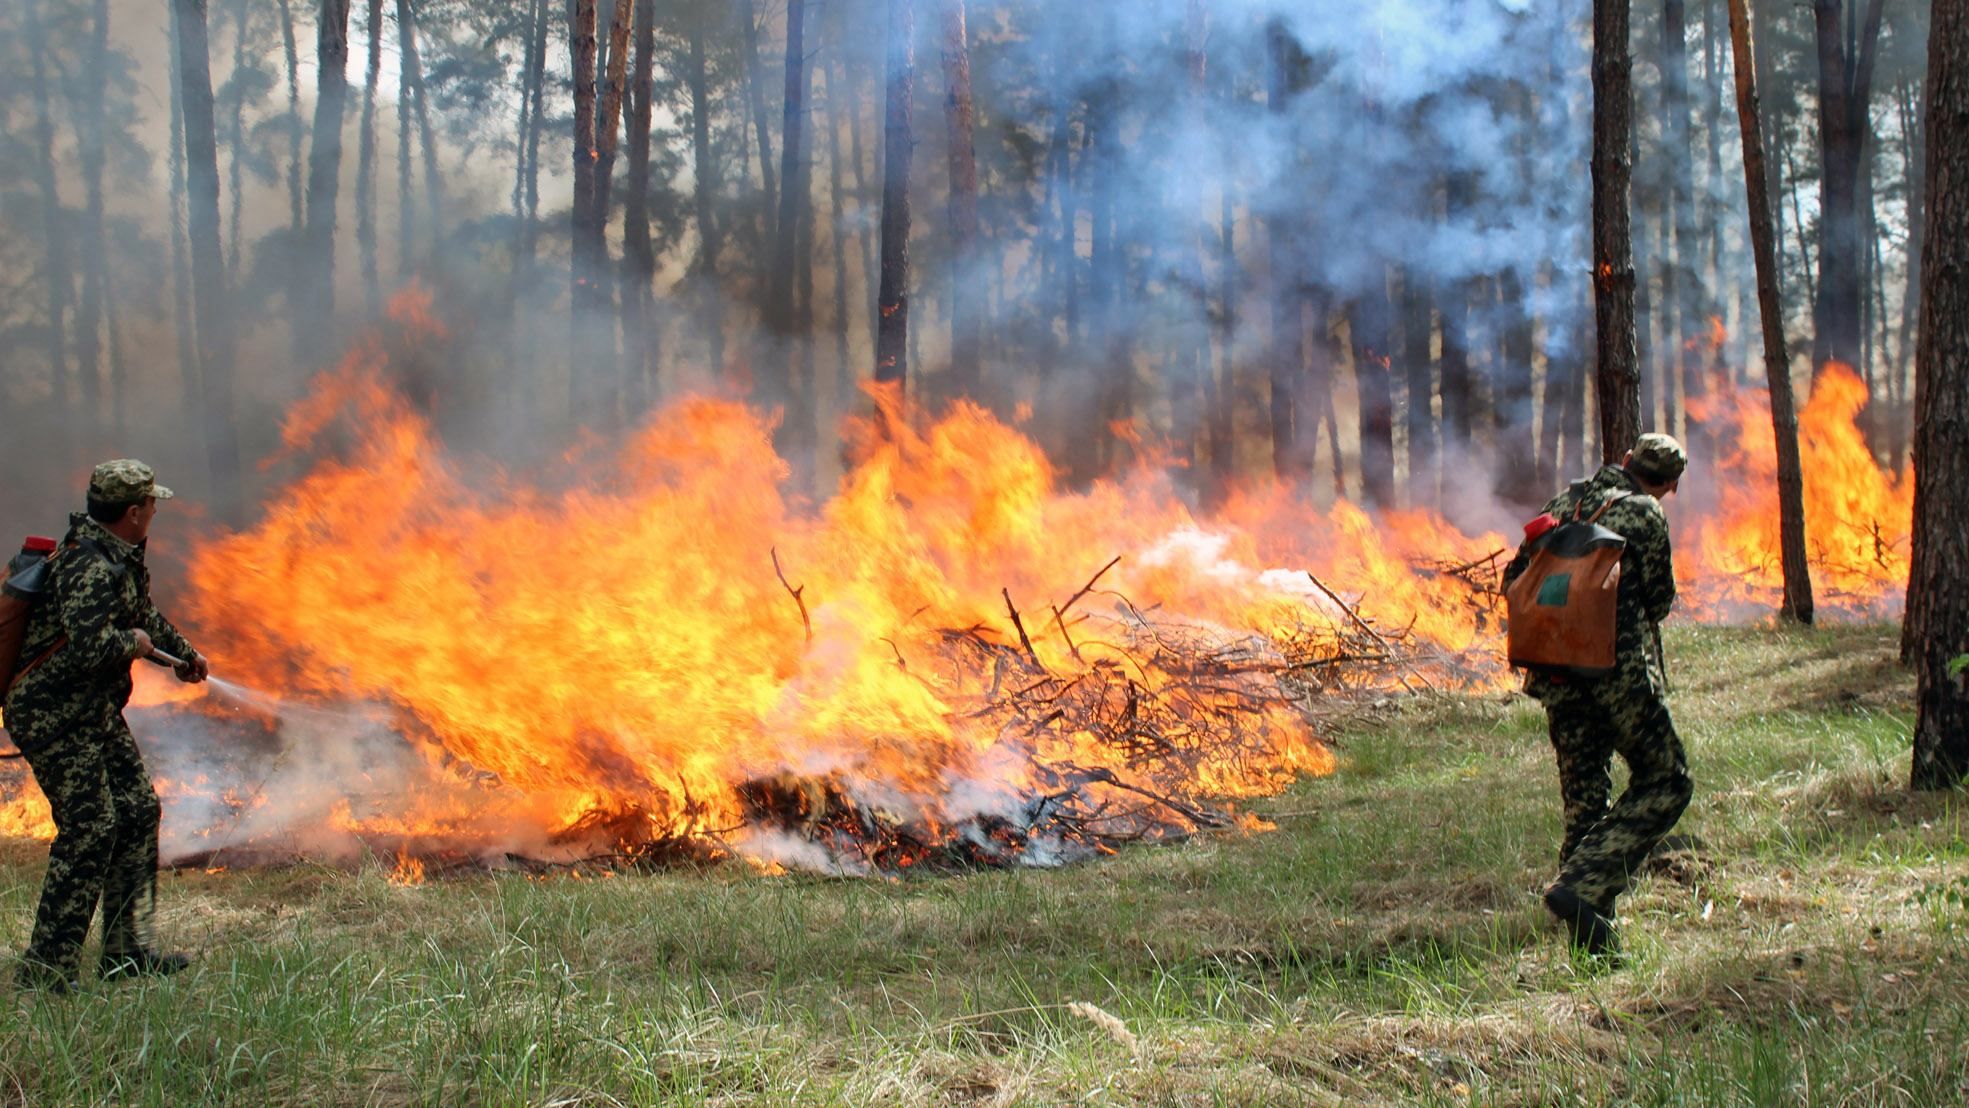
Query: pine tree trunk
column 183, row 328
column 1223, row 376
column 413, row 70
column 51, row 215
column 1777, row 365
column 1938, row 588
column 1517, row 465
column 638, row 251
column 1845, row 86
column 892, row 304
column 1560, row 358
column 839, row 101
column 1616, row 373
column 705, row 172
column 1915, row 122
column 95, row 245
column 1288, row 337
column 755, row 90
column 215, row 336
column 1372, row 329
column 406, row 154
column 584, row 263
column 236, row 139
column 1188, row 396
column 786, row 225
column 535, row 93
column 1682, row 298
column 1644, row 209
column 1419, row 371
column 966, row 323
column 291, row 46
column 314, row 319
column 372, row 286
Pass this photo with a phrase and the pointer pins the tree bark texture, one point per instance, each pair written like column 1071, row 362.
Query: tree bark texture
column 892, row 302
column 181, row 310
column 1372, row 330
column 47, row 183
column 638, row 250
column 1616, row 374
column 1418, row 333
column 1938, row 587
column 366, row 161
column 1845, row 87
column 1777, row 365
column 755, row 89
column 215, row 334
column 413, row 75
column 780, row 311
column 1287, row 356
column 966, row 322
column 705, row 171
column 94, row 237
column 314, row 315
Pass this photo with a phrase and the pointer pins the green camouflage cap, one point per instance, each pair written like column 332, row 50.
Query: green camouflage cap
column 1659, row 458
column 125, row 481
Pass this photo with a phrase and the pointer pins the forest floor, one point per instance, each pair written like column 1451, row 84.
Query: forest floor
column 1385, row 944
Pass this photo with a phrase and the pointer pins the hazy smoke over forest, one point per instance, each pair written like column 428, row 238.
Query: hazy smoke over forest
column 1213, row 162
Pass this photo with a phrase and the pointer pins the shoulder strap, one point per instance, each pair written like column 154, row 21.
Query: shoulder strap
column 1611, row 501
column 116, row 568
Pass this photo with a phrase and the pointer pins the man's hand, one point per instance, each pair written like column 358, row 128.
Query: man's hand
column 144, row 646
column 194, row 670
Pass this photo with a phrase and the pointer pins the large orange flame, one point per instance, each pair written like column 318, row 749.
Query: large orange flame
column 636, row 643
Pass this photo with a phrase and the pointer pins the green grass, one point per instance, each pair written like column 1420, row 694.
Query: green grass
column 1385, row 944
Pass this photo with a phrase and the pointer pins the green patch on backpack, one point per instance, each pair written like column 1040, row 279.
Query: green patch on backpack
column 1552, row 591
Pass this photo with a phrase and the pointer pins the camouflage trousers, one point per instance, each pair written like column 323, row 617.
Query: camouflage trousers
column 105, row 849
column 1590, row 722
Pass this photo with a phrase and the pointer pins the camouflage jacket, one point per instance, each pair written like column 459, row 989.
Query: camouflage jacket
column 97, row 600
column 1647, row 572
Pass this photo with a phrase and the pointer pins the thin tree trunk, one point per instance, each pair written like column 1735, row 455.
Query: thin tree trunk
column 705, row 172
column 638, row 251
column 1418, row 368
column 314, row 319
column 292, row 48
column 1560, row 357
column 406, row 155
column 1517, row 469
column 1617, row 378
column 892, row 305
column 1938, row 586
column 865, row 240
column 1681, row 295
column 536, row 82
column 95, row 245
column 755, row 91
column 183, row 326
column 236, row 137
column 1777, row 366
column 215, row 336
column 1223, row 377
column 966, row 323
column 1288, row 338
column 584, row 263
column 413, row 70
column 1915, row 125
column 1845, row 87
column 1371, row 329
column 786, row 225
column 372, row 286
column 52, row 216
column 1644, row 210
column 838, row 101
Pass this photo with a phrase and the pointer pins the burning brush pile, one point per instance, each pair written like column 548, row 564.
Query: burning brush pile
column 951, row 662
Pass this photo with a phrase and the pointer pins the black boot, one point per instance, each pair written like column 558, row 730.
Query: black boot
column 141, row 963
column 34, row 973
column 1589, row 925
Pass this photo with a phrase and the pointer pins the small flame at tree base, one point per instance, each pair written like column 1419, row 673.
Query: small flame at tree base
column 951, row 662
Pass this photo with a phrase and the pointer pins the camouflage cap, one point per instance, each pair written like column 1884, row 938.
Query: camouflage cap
column 1659, row 458
column 125, row 481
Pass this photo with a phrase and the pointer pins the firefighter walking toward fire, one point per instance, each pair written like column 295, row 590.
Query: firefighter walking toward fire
column 1595, row 711
column 64, row 710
